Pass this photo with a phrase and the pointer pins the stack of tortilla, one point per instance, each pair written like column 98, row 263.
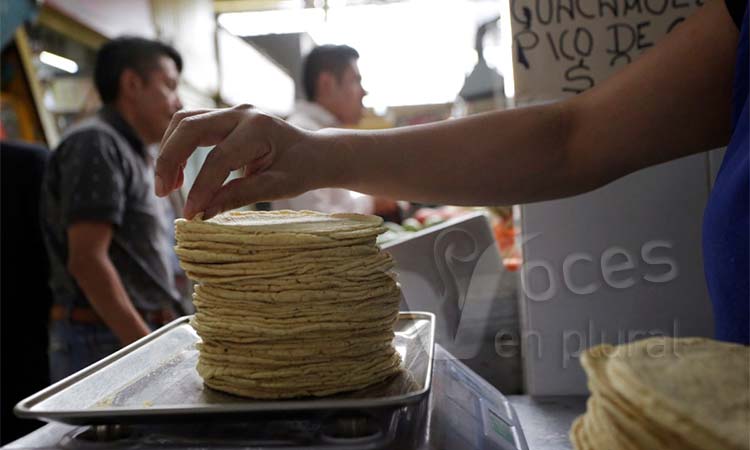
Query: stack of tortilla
column 664, row 393
column 290, row 303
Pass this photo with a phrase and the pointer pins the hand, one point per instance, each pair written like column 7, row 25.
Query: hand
column 275, row 157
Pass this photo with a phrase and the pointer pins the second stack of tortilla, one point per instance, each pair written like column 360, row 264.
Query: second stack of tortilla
column 664, row 393
column 290, row 304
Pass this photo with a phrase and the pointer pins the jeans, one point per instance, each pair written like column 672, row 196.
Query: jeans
column 73, row 346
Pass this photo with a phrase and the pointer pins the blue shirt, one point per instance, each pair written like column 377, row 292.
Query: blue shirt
column 726, row 222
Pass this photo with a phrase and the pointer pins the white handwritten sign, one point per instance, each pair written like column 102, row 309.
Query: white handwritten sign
column 563, row 47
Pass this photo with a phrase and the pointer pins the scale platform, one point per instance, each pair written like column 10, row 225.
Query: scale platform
column 461, row 411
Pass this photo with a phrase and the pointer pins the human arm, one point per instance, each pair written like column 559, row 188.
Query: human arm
column 671, row 102
column 90, row 265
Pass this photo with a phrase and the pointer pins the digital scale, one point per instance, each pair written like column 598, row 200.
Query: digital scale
column 461, row 411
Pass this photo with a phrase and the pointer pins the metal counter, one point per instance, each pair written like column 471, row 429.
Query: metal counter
column 546, row 420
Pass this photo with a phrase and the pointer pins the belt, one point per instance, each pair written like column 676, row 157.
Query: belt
column 89, row 316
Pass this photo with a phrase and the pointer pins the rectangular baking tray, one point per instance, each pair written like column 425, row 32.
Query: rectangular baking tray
column 154, row 380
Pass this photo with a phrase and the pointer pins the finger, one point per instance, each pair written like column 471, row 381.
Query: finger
column 265, row 186
column 202, row 129
column 161, row 186
column 260, row 164
column 180, row 178
column 177, row 117
column 233, row 153
column 185, row 133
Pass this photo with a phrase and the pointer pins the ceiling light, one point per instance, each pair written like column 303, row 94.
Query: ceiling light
column 258, row 23
column 58, row 62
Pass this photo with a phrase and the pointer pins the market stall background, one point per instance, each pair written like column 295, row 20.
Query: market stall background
column 589, row 269
column 47, row 61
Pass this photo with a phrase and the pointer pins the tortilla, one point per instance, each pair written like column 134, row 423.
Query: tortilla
column 664, row 393
column 277, row 222
column 291, row 303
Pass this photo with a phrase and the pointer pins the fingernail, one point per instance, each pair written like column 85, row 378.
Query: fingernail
column 159, row 185
column 188, row 209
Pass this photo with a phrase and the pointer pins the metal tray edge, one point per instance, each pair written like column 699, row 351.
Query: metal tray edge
column 24, row 408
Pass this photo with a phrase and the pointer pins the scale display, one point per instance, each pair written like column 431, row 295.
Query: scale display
column 470, row 413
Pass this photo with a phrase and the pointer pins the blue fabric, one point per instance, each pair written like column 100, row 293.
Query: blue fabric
column 726, row 223
column 73, row 346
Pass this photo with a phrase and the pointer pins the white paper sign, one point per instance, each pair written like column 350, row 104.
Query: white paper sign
column 563, row 47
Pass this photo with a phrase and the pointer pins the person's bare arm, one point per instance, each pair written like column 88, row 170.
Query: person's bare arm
column 89, row 263
column 671, row 102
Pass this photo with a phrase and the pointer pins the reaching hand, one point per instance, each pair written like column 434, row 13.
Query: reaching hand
column 274, row 156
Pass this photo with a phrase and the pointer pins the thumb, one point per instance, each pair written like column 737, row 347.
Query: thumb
column 263, row 186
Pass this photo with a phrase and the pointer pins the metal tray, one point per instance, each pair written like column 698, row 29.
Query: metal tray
column 154, row 380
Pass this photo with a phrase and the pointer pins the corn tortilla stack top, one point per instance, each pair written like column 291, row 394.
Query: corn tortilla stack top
column 284, row 221
column 291, row 303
